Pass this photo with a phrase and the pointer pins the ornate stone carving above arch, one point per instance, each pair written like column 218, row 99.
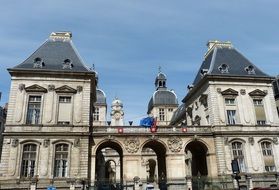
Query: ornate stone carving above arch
column 132, row 145
column 175, row 144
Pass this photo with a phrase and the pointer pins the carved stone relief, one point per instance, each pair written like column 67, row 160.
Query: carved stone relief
column 21, row 87
column 175, row 144
column 51, row 87
column 77, row 142
column 46, row 143
column 14, row 142
column 132, row 145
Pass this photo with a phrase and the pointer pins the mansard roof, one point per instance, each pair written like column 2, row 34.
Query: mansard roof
column 223, row 59
column 179, row 115
column 56, row 54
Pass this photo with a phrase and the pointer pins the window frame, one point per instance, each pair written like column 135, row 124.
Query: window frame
column 96, row 114
column 71, row 95
column 41, row 108
column 67, row 170
column 259, row 102
column 237, row 156
column 162, row 114
column 36, row 159
column 267, row 153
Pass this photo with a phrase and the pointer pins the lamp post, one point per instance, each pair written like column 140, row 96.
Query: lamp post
column 235, row 169
column 199, row 178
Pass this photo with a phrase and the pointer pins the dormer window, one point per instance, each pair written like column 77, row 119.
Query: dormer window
column 224, row 68
column 250, row 70
column 67, row 64
column 38, row 63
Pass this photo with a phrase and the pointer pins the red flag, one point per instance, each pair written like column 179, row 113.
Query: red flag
column 153, row 128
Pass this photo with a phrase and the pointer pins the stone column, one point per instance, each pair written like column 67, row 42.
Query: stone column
column 189, row 182
column 249, row 181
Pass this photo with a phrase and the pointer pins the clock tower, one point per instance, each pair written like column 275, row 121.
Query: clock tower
column 117, row 114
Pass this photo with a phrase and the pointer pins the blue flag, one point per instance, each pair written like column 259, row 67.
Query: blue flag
column 147, row 122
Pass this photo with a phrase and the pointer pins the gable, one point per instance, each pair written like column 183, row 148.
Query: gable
column 35, row 88
column 257, row 93
column 230, row 92
column 65, row 89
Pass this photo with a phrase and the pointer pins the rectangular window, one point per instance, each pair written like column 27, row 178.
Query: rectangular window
column 238, row 155
column 65, row 110
column 230, row 101
column 231, row 116
column 61, row 160
column 259, row 111
column 161, row 114
column 96, row 114
column 268, row 156
column 170, row 110
column 33, row 111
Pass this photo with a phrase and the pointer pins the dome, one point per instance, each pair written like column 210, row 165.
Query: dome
column 101, row 97
column 162, row 97
column 117, row 102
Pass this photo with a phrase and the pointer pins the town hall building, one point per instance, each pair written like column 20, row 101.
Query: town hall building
column 61, row 132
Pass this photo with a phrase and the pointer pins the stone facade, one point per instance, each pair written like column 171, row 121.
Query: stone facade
column 54, row 136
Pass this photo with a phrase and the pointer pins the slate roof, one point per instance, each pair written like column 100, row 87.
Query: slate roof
column 101, row 97
column 162, row 97
column 53, row 54
column 178, row 115
column 236, row 63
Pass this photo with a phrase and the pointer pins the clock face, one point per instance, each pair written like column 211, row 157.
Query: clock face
column 117, row 116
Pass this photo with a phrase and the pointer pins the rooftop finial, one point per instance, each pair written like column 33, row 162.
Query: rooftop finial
column 93, row 66
column 160, row 69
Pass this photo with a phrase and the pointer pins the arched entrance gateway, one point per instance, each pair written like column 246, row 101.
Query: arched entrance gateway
column 154, row 155
column 196, row 163
column 109, row 166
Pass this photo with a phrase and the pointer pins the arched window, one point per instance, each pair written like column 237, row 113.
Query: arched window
column 28, row 162
column 61, row 160
column 237, row 151
column 268, row 156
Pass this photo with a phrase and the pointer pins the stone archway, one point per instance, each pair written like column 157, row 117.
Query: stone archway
column 109, row 165
column 196, row 163
column 155, row 153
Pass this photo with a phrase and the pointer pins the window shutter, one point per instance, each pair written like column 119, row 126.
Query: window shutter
column 260, row 115
column 269, row 161
column 65, row 110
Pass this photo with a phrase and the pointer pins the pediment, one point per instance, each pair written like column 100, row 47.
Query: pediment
column 35, row 88
column 65, row 89
column 230, row 92
column 258, row 93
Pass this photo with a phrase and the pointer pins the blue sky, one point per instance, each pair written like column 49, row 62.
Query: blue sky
column 128, row 40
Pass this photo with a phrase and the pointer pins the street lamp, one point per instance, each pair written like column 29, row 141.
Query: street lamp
column 199, row 178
